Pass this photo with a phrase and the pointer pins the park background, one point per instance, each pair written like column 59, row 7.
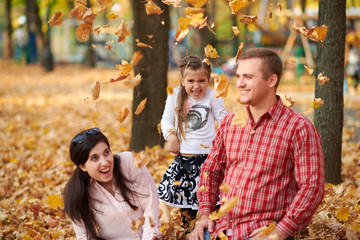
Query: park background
column 46, row 97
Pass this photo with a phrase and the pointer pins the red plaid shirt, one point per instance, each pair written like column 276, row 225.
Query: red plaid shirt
column 275, row 167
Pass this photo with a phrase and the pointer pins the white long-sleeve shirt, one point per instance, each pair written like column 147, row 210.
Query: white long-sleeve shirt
column 200, row 130
column 114, row 216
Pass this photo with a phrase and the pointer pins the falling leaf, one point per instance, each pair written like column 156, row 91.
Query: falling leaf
column 151, row 221
column 309, row 70
column 203, row 189
column 202, row 145
column 248, row 19
column 269, row 13
column 140, row 107
column 240, row 118
column 118, row 78
column 224, row 208
column 176, row 183
column 288, row 102
column 122, row 32
column 108, row 44
column 343, row 214
column 133, row 81
column 143, row 45
column 322, row 79
column 316, row 33
column 279, row 6
column 317, row 102
column 224, row 187
column 182, row 29
column 95, row 90
column 210, row 51
column 83, row 31
column 266, row 230
column 169, row 90
column 235, row 30
column 112, row 16
column 105, row 3
column 55, row 201
column 97, row 30
column 236, row 5
column 221, row 86
column 152, row 8
column 205, row 60
column 175, row 3
column 56, row 19
column 159, row 128
column 135, row 225
column 239, row 52
column 252, row 131
column 222, row 236
column 77, row 12
column 137, row 56
column 198, row 19
column 196, row 3
column 204, row 175
column 124, row 67
column 123, row 114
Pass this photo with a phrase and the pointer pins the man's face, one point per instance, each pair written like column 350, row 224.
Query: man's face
column 254, row 89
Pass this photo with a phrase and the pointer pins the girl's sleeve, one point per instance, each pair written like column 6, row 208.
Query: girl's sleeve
column 149, row 202
column 218, row 108
column 80, row 230
column 168, row 117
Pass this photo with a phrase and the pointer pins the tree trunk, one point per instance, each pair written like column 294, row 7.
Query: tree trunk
column 206, row 36
column 47, row 59
column 329, row 117
column 90, row 52
column 8, row 47
column 153, row 69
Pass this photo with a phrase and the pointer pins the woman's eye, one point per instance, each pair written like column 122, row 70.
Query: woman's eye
column 94, row 158
column 107, row 152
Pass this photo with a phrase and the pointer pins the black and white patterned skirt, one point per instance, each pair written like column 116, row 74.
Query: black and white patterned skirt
column 180, row 182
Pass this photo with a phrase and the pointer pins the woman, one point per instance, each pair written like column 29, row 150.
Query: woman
column 107, row 197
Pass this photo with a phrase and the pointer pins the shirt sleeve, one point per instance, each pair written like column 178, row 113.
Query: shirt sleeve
column 309, row 175
column 212, row 171
column 149, row 201
column 218, row 108
column 169, row 115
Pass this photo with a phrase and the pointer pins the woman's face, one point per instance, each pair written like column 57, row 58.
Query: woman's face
column 100, row 164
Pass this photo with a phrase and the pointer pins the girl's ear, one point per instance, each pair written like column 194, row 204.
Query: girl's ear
column 82, row 167
column 272, row 80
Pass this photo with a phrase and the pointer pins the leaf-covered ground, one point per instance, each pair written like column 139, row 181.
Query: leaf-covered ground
column 40, row 112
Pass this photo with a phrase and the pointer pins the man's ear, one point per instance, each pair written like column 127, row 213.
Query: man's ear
column 272, row 80
column 82, row 167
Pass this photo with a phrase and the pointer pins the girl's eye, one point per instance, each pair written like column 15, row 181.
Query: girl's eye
column 107, row 152
column 93, row 158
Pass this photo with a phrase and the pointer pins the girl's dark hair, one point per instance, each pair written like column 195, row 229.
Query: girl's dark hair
column 193, row 63
column 77, row 199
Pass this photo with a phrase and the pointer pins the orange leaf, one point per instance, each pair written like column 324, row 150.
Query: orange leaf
column 197, row 17
column 176, row 183
column 196, row 3
column 169, row 90
column 159, row 128
column 221, row 86
column 317, row 102
column 83, row 31
column 235, row 30
column 279, row 6
column 135, row 225
column 122, row 32
column 224, row 208
column 55, row 201
column 108, row 44
column 140, row 44
column 288, row 102
column 124, row 67
column 95, row 90
column 210, row 51
column 97, row 30
column 182, row 29
column 202, row 145
column 309, row 70
column 239, row 52
column 248, row 19
column 222, row 236
column 77, row 12
column 137, row 56
column 56, row 19
column 112, row 16
column 316, row 33
column 224, row 187
column 152, row 8
column 236, row 5
column 105, row 3
column 118, row 78
column 123, row 114
column 203, row 189
column 322, row 79
column 141, row 107
column 343, row 214
column 267, row 230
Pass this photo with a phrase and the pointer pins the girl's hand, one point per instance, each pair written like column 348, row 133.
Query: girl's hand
column 174, row 144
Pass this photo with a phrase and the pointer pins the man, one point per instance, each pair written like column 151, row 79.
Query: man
column 272, row 160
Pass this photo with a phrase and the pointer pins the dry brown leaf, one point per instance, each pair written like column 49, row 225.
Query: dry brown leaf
column 143, row 45
column 140, row 107
column 210, row 51
column 105, row 3
column 108, row 44
column 175, row 3
column 137, row 56
column 118, row 78
column 288, row 102
column 122, row 32
column 224, row 208
column 124, row 67
column 182, row 29
column 56, row 19
column 152, row 8
column 239, row 52
column 196, row 3
column 248, row 19
column 236, row 5
column 240, row 118
column 316, row 33
column 169, row 90
column 269, row 13
column 322, row 79
column 123, row 114
column 135, row 225
column 279, row 6
column 309, row 70
column 221, row 86
column 235, row 30
column 95, row 90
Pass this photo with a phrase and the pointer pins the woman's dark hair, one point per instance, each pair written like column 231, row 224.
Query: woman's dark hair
column 77, row 199
column 193, row 63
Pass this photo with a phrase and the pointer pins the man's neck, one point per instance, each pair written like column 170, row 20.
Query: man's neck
column 259, row 110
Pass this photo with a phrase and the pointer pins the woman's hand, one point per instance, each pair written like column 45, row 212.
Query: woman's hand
column 174, row 144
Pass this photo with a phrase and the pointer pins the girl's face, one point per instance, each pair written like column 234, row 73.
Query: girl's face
column 100, row 165
column 195, row 82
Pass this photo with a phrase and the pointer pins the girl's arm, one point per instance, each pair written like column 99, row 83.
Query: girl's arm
column 218, row 108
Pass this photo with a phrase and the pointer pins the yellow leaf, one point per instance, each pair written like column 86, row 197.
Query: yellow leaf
column 95, row 90
column 224, row 208
column 141, row 107
column 202, row 145
column 135, row 225
column 222, row 236
column 241, row 117
column 236, row 5
column 268, row 229
column 152, row 8
column 123, row 114
column 288, row 102
column 221, row 86
column 176, row 183
column 112, row 16
column 196, row 3
column 56, row 19
column 239, row 52
column 210, row 51
column 317, row 102
column 224, row 187
column 203, row 189
column 55, row 201
column 143, row 45
column 204, row 175
column 122, row 32
column 169, row 90
column 309, row 70
column 124, row 67
column 342, row 214
column 182, row 29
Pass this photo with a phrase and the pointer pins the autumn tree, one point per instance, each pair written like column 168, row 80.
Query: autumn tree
column 329, row 118
column 8, row 46
column 152, row 30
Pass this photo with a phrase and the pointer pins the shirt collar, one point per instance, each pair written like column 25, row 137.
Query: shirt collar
column 274, row 112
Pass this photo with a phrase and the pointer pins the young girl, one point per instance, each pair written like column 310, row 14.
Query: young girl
column 188, row 126
column 107, row 194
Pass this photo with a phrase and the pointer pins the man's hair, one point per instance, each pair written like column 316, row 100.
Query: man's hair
column 271, row 62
